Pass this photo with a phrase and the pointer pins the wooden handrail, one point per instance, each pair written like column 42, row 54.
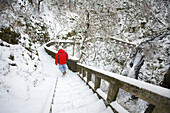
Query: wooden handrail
column 114, row 40
column 148, row 92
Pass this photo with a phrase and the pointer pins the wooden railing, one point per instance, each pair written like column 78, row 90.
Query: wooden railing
column 113, row 40
column 155, row 95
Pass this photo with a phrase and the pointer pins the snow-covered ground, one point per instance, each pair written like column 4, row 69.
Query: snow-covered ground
column 24, row 87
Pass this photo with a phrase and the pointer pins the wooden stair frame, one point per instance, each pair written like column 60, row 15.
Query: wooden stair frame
column 161, row 103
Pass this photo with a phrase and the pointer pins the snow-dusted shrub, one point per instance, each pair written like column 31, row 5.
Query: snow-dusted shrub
column 6, row 34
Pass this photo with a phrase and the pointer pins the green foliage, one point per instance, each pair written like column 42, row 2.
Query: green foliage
column 9, row 36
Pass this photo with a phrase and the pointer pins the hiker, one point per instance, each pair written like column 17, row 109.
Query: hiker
column 61, row 58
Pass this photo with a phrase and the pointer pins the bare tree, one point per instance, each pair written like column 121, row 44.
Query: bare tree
column 4, row 4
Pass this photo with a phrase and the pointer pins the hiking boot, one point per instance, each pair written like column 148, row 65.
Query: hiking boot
column 64, row 72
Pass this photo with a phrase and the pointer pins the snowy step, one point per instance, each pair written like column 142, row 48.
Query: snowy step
column 60, row 107
column 64, row 99
column 70, row 86
column 118, row 107
column 72, row 92
column 107, row 110
column 70, row 82
column 69, row 89
column 95, row 107
column 65, row 85
column 70, row 79
column 85, row 101
column 56, row 108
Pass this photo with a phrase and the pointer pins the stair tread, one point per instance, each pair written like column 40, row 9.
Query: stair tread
column 72, row 92
column 95, row 107
column 107, row 110
column 64, row 99
column 74, row 96
column 76, row 103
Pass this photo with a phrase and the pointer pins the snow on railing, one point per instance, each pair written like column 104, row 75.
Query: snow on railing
column 114, row 40
column 155, row 95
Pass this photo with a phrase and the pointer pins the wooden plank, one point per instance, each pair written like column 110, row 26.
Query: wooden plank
column 97, row 82
column 84, row 72
column 112, row 94
column 150, row 97
column 89, row 74
column 147, row 95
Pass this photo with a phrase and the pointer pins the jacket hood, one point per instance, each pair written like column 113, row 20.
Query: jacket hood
column 61, row 51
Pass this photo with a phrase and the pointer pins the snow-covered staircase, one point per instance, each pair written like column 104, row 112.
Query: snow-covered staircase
column 74, row 96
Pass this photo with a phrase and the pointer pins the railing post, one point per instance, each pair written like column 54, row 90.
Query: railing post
column 84, row 72
column 97, row 82
column 112, row 94
column 88, row 76
column 80, row 70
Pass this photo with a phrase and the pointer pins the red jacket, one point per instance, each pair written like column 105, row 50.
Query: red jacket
column 62, row 56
